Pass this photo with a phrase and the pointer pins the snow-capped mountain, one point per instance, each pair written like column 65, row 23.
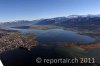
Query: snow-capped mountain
column 73, row 20
column 70, row 20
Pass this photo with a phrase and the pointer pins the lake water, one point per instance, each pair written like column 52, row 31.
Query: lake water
column 58, row 36
column 23, row 57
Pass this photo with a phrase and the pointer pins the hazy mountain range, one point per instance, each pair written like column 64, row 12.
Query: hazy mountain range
column 73, row 20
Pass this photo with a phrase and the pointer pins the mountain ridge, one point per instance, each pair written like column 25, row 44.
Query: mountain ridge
column 70, row 20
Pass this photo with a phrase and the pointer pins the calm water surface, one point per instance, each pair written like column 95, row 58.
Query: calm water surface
column 57, row 36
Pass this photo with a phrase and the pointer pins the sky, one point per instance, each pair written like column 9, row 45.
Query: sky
column 11, row 10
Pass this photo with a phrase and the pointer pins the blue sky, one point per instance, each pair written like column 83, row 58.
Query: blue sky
column 11, row 10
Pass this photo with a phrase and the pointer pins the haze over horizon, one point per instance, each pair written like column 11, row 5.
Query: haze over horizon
column 11, row 10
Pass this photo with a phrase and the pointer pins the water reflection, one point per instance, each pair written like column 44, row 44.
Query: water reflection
column 56, row 36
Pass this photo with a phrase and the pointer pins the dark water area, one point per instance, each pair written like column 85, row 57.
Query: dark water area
column 95, row 53
column 17, row 57
column 23, row 57
column 58, row 36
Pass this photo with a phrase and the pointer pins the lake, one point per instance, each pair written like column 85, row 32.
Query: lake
column 23, row 57
column 57, row 36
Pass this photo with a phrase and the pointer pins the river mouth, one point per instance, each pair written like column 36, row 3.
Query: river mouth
column 58, row 36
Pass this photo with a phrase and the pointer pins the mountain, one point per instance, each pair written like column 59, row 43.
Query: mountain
column 18, row 23
column 72, row 20
column 50, row 21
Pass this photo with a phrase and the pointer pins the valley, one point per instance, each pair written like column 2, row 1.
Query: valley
column 56, row 36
